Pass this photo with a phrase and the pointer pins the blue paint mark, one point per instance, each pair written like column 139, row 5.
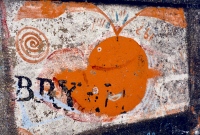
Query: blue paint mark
column 108, row 25
column 117, row 19
column 26, row 122
column 125, row 19
column 45, row 97
column 47, row 121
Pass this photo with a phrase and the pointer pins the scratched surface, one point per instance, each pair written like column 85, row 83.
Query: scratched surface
column 102, row 64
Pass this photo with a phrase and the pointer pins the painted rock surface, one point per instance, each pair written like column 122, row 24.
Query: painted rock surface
column 76, row 63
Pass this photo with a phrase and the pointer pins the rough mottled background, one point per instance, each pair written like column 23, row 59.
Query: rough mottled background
column 182, row 123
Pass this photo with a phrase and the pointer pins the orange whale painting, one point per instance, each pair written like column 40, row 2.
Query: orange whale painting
column 115, row 77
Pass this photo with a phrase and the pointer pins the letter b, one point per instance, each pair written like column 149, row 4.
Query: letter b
column 29, row 84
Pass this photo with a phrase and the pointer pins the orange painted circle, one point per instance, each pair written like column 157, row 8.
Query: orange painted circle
column 115, row 79
column 32, row 45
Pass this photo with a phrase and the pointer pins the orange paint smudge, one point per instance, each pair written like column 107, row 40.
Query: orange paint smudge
column 48, row 9
column 137, row 31
column 103, row 22
column 124, row 12
column 192, row 110
column 22, row 131
column 65, row 50
column 46, row 86
column 151, row 37
column 172, row 111
column 120, row 13
column 40, row 9
column 80, row 6
column 153, row 73
column 174, row 16
column 146, row 35
column 93, row 23
column 181, row 55
column 173, row 69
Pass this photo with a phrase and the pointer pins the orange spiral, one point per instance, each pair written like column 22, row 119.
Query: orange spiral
column 32, row 45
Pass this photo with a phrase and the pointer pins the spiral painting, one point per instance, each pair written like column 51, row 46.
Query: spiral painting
column 32, row 45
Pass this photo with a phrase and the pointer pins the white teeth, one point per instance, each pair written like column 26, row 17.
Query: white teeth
column 115, row 97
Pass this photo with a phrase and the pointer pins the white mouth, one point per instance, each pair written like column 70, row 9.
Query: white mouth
column 115, row 97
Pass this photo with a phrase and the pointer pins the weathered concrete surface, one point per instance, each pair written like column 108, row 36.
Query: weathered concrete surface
column 7, row 126
column 193, row 16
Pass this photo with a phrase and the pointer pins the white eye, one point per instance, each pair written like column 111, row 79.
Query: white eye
column 95, row 90
column 99, row 49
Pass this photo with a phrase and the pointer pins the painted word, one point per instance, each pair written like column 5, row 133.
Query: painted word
column 61, row 83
